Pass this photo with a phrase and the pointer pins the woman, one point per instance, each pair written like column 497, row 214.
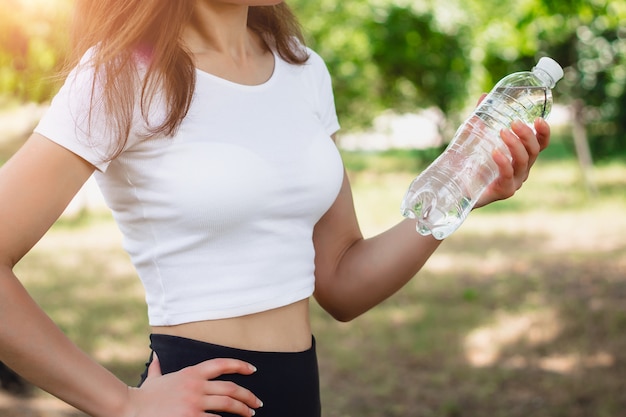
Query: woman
column 209, row 127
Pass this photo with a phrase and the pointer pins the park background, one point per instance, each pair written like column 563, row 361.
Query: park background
column 521, row 313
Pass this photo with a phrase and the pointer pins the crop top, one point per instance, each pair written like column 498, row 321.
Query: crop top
column 217, row 219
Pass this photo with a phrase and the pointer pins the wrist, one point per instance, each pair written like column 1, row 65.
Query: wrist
column 126, row 408
column 121, row 405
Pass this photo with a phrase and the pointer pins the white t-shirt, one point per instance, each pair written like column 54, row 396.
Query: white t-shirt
column 218, row 219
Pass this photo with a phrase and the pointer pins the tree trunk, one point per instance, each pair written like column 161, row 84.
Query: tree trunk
column 583, row 151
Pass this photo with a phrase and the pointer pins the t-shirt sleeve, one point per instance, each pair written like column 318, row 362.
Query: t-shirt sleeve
column 76, row 118
column 326, row 99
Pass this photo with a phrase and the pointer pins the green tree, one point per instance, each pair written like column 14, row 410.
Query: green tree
column 384, row 55
column 587, row 37
column 420, row 64
column 402, row 54
column 338, row 32
column 32, row 46
column 597, row 50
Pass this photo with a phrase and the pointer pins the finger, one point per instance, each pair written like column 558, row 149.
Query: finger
column 506, row 177
column 227, row 405
column 220, row 393
column 213, row 368
column 504, row 185
column 481, row 98
column 528, row 138
column 230, row 389
column 155, row 367
column 519, row 154
column 543, row 133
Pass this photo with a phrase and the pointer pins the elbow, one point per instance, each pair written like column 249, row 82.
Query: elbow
column 340, row 316
column 337, row 310
column 344, row 317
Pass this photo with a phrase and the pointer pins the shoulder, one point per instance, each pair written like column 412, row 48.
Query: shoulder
column 314, row 57
column 313, row 71
column 311, row 60
column 81, row 116
column 93, row 66
column 315, row 61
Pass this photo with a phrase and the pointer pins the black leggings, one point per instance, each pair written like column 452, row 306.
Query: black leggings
column 287, row 383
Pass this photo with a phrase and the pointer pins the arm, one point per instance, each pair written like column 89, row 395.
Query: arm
column 35, row 187
column 354, row 274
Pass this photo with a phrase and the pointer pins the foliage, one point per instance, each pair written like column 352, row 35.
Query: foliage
column 32, row 45
column 588, row 38
column 403, row 54
column 420, row 65
column 385, row 55
column 600, row 79
column 337, row 31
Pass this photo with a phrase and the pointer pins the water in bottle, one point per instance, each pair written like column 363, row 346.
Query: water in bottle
column 442, row 196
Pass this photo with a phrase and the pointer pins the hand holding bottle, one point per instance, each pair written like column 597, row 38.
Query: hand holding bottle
column 442, row 196
column 524, row 146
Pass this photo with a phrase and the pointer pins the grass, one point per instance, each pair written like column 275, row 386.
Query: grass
column 521, row 313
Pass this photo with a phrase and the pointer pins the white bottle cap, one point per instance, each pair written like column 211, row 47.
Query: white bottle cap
column 552, row 67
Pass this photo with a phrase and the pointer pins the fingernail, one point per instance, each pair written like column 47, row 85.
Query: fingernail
column 259, row 402
column 253, row 368
column 252, row 412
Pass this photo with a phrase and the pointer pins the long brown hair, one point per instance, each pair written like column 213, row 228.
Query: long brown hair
column 123, row 28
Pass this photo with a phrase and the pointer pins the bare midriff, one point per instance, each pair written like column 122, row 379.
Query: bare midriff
column 284, row 329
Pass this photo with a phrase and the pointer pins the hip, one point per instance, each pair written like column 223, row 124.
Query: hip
column 287, row 382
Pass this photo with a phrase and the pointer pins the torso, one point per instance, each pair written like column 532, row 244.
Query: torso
column 284, row 329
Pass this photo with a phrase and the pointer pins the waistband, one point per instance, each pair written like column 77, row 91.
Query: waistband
column 211, row 350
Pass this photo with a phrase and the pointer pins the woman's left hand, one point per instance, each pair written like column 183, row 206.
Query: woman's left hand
column 524, row 146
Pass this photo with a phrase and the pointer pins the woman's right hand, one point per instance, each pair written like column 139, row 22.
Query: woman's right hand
column 192, row 390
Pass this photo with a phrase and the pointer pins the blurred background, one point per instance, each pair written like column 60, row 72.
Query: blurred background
column 521, row 313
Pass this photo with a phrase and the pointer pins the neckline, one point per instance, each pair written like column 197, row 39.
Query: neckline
column 230, row 83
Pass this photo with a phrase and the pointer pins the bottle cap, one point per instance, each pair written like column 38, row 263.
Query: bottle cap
column 552, row 67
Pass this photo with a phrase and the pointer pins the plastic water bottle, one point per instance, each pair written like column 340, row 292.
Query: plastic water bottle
column 442, row 196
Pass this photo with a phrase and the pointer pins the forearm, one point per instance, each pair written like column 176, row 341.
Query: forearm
column 33, row 346
column 372, row 269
